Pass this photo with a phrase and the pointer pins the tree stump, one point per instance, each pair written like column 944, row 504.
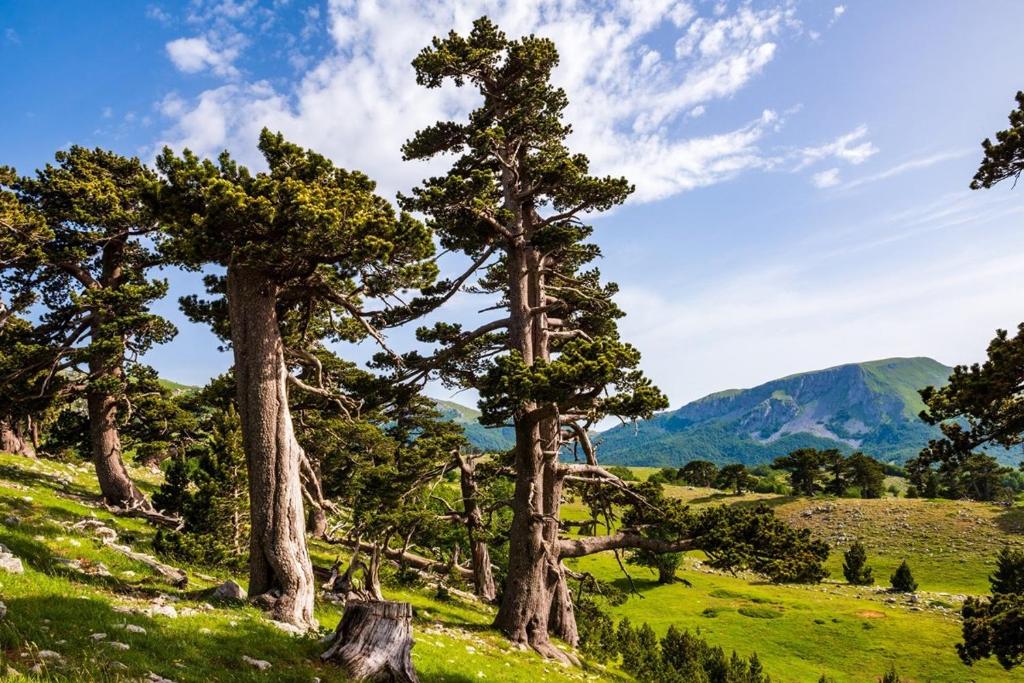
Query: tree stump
column 373, row 642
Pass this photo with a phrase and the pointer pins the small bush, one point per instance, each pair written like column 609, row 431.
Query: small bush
column 902, row 580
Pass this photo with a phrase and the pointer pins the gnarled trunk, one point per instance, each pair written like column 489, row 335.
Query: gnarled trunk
column 116, row 485
column 480, row 554
column 13, row 441
column 279, row 567
column 534, row 572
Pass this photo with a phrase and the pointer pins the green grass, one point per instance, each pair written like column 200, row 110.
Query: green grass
column 55, row 606
column 845, row 632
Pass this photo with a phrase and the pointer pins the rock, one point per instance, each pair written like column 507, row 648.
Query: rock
column 50, row 656
column 134, row 628
column 11, row 520
column 162, row 610
column 118, row 666
column 157, row 678
column 98, row 636
column 291, row 629
column 3, row 610
column 9, row 563
column 258, row 664
column 229, row 591
column 117, row 645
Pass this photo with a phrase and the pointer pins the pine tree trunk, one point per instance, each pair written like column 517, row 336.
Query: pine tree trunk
column 534, row 570
column 115, row 483
column 480, row 554
column 279, row 565
column 12, row 441
column 373, row 642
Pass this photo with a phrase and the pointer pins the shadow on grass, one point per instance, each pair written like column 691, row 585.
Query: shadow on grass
column 1011, row 521
column 28, row 477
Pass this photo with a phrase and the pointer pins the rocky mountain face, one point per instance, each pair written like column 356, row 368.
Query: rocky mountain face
column 870, row 406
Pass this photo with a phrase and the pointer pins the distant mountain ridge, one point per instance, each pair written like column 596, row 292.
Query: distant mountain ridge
column 871, row 406
column 483, row 439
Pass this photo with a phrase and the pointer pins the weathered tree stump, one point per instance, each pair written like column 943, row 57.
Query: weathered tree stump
column 373, row 642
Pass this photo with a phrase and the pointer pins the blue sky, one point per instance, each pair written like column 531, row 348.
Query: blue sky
column 801, row 167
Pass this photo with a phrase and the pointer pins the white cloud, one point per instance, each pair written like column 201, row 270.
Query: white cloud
column 156, row 13
column 11, row 36
column 360, row 102
column 192, row 55
column 911, row 165
column 829, row 178
column 850, row 147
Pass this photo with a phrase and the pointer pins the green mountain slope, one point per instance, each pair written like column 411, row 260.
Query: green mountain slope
column 484, row 439
column 870, row 406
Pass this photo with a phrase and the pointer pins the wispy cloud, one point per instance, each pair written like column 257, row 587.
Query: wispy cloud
column 828, row 178
column 907, row 166
column 11, row 36
column 850, row 147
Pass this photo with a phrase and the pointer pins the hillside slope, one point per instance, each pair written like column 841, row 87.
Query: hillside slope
column 483, row 439
column 870, row 406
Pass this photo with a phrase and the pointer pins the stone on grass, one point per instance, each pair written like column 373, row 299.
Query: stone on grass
column 3, row 610
column 258, row 664
column 229, row 591
column 9, row 563
column 134, row 628
column 117, row 645
column 50, row 655
column 98, row 636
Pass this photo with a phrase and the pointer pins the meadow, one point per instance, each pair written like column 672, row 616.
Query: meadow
column 76, row 587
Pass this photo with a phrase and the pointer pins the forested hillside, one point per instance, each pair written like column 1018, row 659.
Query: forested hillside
column 870, row 406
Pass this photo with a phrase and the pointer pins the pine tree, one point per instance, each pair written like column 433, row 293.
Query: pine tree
column 902, row 581
column 804, row 467
column 1004, row 158
column 90, row 268
column 304, row 246
column 207, row 488
column 1009, row 574
column 854, row 566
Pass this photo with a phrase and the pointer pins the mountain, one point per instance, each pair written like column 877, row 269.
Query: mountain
column 484, row 439
column 870, row 406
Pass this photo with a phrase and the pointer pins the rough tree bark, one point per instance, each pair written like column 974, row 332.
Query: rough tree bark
column 373, row 642
column 116, row 485
column 280, row 572
column 13, row 441
column 534, row 574
column 480, row 555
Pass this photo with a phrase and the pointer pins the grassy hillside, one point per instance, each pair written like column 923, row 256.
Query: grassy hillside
column 75, row 587
column 848, row 633
column 77, row 595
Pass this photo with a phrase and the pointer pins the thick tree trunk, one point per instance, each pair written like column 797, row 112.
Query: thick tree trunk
column 13, row 441
column 534, row 568
column 480, row 554
column 116, row 485
column 373, row 642
column 279, row 565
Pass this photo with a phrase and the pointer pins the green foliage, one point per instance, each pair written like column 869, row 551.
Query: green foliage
column 993, row 626
column 902, row 581
column 1009, row 574
column 855, row 567
column 734, row 477
column 890, row 676
column 699, row 473
column 867, row 474
column 1004, row 158
column 732, row 537
column 804, row 467
column 76, row 243
column 679, row 656
column 207, row 487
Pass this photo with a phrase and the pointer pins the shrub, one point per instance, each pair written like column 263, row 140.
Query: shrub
column 902, row 580
column 854, row 566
